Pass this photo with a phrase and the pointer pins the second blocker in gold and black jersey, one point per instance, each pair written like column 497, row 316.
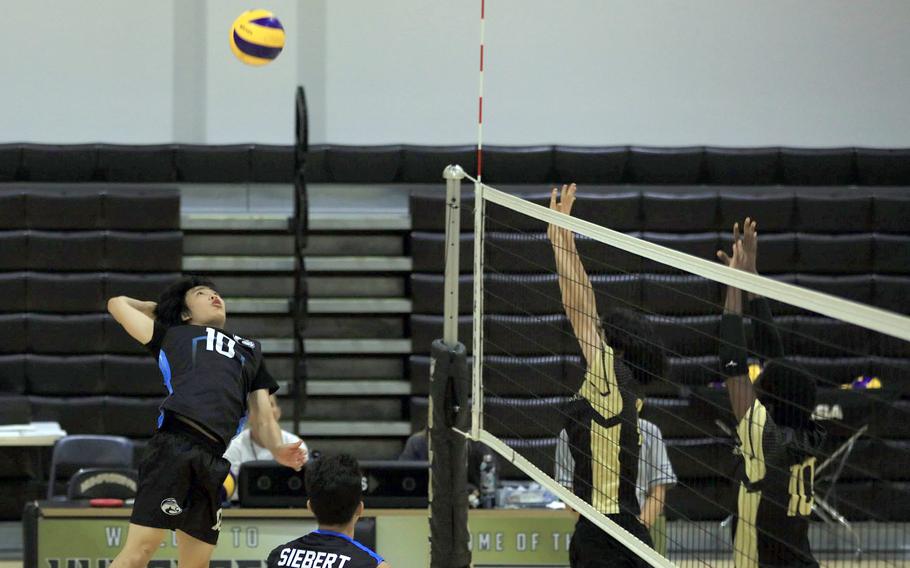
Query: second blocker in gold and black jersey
column 604, row 438
column 208, row 374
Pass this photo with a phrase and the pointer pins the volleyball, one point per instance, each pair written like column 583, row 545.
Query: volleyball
column 257, row 37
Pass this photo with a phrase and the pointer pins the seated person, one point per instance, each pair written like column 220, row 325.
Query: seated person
column 247, row 445
column 417, row 448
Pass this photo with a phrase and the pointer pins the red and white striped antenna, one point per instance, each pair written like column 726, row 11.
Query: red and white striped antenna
column 480, row 99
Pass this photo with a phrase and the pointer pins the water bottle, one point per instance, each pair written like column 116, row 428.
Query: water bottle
column 488, row 482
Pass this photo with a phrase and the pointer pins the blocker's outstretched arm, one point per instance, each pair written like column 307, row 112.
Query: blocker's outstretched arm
column 577, row 293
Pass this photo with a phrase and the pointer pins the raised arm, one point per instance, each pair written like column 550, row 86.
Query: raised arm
column 732, row 351
column 269, row 433
column 578, row 299
column 136, row 316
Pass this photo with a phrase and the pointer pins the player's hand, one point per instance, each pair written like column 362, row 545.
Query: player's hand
column 744, row 252
column 563, row 203
column 750, row 245
column 291, row 455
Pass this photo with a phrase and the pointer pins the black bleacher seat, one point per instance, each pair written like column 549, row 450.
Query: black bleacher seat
column 66, row 334
column 13, row 250
column 876, row 166
column 894, row 371
column 891, row 293
column 12, row 374
column 12, row 209
column 500, row 218
column 428, row 211
column 701, row 500
column 693, row 371
column 813, row 166
column 201, row 163
column 539, row 294
column 832, row 372
column 772, row 207
column 599, row 258
column 864, row 461
column 122, row 163
column 858, row 288
column 315, row 167
column 271, row 164
column 117, row 340
column 889, row 419
column 686, row 210
column 142, row 286
column 895, row 463
column 428, row 252
column 618, row 209
column 653, row 165
column 741, row 166
column 679, row 295
column 512, row 253
column 425, row 164
column 419, row 407
column 543, row 375
column 13, row 292
column 527, row 335
column 818, row 336
column 891, row 210
column 66, row 292
column 701, row 245
column 62, row 209
column 427, row 293
column 13, row 333
column 691, row 417
column 525, row 418
column 132, row 375
column 835, row 254
column 833, row 210
column 589, row 165
column 84, row 415
column 892, row 254
column 702, row 458
column 10, row 158
column 64, row 163
column 363, row 164
column 78, row 251
column 517, row 164
column 131, row 416
column 137, row 209
column 687, row 335
column 778, row 250
column 894, row 497
column 57, row 375
column 162, row 251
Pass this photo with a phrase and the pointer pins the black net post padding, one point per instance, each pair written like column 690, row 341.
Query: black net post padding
column 448, row 456
column 30, row 514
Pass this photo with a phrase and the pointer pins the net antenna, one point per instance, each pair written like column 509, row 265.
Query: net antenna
column 448, row 410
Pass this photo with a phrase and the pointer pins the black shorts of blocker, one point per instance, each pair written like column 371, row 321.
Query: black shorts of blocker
column 591, row 547
column 180, row 482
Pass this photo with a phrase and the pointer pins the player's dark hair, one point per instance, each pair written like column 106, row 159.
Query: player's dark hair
column 333, row 486
column 629, row 332
column 788, row 392
column 172, row 303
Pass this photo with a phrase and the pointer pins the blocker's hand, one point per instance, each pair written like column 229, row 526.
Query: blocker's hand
column 291, row 455
column 745, row 248
column 562, row 203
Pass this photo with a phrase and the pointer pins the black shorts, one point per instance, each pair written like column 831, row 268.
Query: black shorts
column 180, row 483
column 591, row 547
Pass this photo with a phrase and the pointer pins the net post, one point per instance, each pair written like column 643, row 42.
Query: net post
column 477, row 318
column 453, row 176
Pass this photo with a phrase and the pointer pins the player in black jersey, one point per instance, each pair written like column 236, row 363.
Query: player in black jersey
column 213, row 378
column 334, row 489
column 603, row 418
column 775, row 430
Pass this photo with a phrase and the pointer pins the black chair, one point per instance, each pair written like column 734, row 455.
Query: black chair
column 73, row 453
column 103, row 483
column 13, row 292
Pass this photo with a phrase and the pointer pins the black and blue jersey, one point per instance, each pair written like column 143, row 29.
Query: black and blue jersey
column 208, row 374
column 323, row 549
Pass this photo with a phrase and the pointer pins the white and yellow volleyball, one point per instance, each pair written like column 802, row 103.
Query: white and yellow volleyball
column 257, row 37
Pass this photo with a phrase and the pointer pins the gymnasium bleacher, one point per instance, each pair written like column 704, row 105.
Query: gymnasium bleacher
column 836, row 220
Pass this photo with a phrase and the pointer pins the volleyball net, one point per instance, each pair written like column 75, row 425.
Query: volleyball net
column 593, row 348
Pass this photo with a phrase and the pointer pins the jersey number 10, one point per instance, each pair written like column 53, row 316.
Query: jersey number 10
column 219, row 342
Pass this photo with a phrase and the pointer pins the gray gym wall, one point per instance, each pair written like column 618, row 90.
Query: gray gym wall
column 662, row 72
